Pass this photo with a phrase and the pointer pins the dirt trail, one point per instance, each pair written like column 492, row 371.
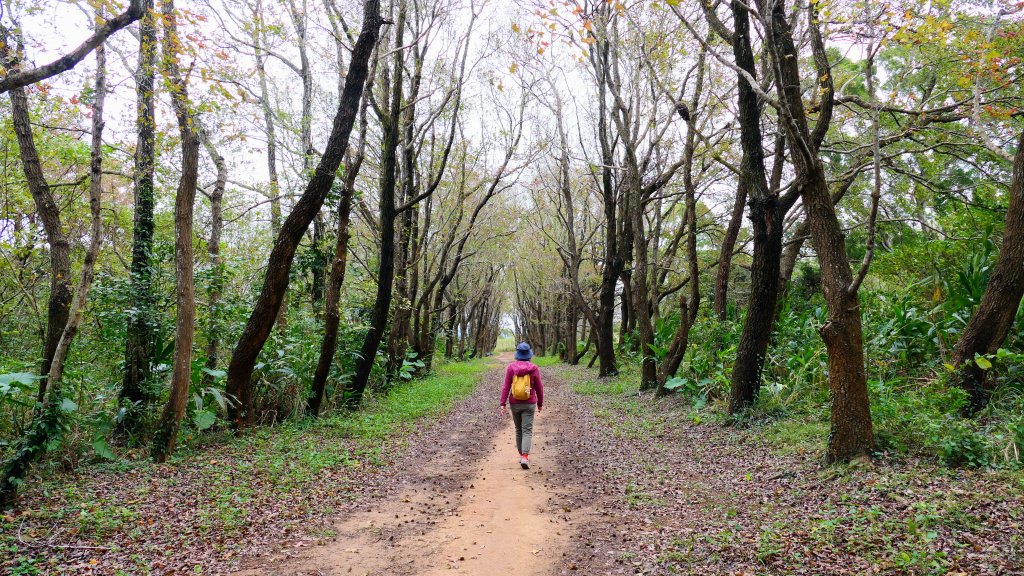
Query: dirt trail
column 465, row 507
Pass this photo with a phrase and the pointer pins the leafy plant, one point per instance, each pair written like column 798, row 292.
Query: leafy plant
column 410, row 366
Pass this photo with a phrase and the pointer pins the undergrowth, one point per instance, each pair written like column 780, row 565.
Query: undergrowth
column 293, row 468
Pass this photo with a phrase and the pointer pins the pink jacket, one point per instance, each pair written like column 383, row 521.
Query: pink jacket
column 518, row 368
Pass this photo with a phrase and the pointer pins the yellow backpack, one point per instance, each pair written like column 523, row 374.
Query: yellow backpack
column 521, row 386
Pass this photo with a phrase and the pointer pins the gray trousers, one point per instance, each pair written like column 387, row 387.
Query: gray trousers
column 522, row 415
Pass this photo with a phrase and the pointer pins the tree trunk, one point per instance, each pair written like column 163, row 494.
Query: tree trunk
column 139, row 342
column 687, row 309
column 991, row 322
column 213, row 251
column 766, row 218
column 268, row 121
column 275, row 283
column 401, row 317
column 298, row 17
column 386, row 270
column 167, row 430
column 59, row 305
column 613, row 263
column 732, row 232
column 96, row 231
column 640, row 298
column 332, row 316
column 851, row 435
column 336, row 276
column 46, row 424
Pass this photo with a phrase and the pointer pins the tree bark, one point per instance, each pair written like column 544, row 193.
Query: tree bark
column 688, row 308
column 46, row 424
column 268, row 121
column 991, row 322
column 213, row 251
column 401, row 316
column 766, row 218
column 274, row 179
column 851, row 435
column 640, row 298
column 386, row 258
column 332, row 316
column 613, row 263
column 60, row 298
column 732, row 232
column 139, row 341
column 96, row 230
column 275, row 283
column 166, row 436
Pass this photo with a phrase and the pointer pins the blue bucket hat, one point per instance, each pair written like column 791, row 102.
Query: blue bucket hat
column 523, row 351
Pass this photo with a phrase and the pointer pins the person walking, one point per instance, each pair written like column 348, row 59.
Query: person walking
column 523, row 390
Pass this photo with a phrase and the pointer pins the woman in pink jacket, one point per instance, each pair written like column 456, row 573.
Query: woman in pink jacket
column 523, row 410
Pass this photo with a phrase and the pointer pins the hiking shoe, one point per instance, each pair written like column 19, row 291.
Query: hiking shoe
column 524, row 461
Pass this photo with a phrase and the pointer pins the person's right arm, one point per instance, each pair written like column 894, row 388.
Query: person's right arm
column 538, row 386
column 506, row 387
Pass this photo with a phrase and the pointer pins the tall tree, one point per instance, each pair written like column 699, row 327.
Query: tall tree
column 767, row 210
column 140, row 341
column 166, row 436
column 48, row 424
column 339, row 262
column 60, row 298
column 851, row 434
column 991, row 321
column 688, row 303
column 217, row 280
column 390, row 119
column 275, row 283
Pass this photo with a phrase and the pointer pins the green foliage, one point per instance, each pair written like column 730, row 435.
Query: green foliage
column 45, row 434
column 410, row 365
column 907, row 328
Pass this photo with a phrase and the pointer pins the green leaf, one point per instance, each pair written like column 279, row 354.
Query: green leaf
column 674, row 383
column 103, row 450
column 204, row 419
column 983, row 362
column 18, row 381
column 68, row 406
column 215, row 373
column 19, row 378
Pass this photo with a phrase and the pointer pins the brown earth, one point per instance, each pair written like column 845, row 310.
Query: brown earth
column 461, row 504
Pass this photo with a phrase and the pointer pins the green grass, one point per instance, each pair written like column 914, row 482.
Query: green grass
column 298, row 467
column 410, row 401
column 624, row 383
column 297, row 453
column 796, row 436
column 544, row 361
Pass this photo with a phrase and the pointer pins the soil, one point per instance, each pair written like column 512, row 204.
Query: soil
column 622, row 484
column 461, row 504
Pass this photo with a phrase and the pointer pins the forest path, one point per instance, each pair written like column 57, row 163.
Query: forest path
column 462, row 504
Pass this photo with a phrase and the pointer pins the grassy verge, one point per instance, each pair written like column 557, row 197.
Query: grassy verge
column 222, row 490
column 544, row 361
column 767, row 505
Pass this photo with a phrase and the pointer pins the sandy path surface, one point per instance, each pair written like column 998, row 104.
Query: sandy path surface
column 466, row 507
